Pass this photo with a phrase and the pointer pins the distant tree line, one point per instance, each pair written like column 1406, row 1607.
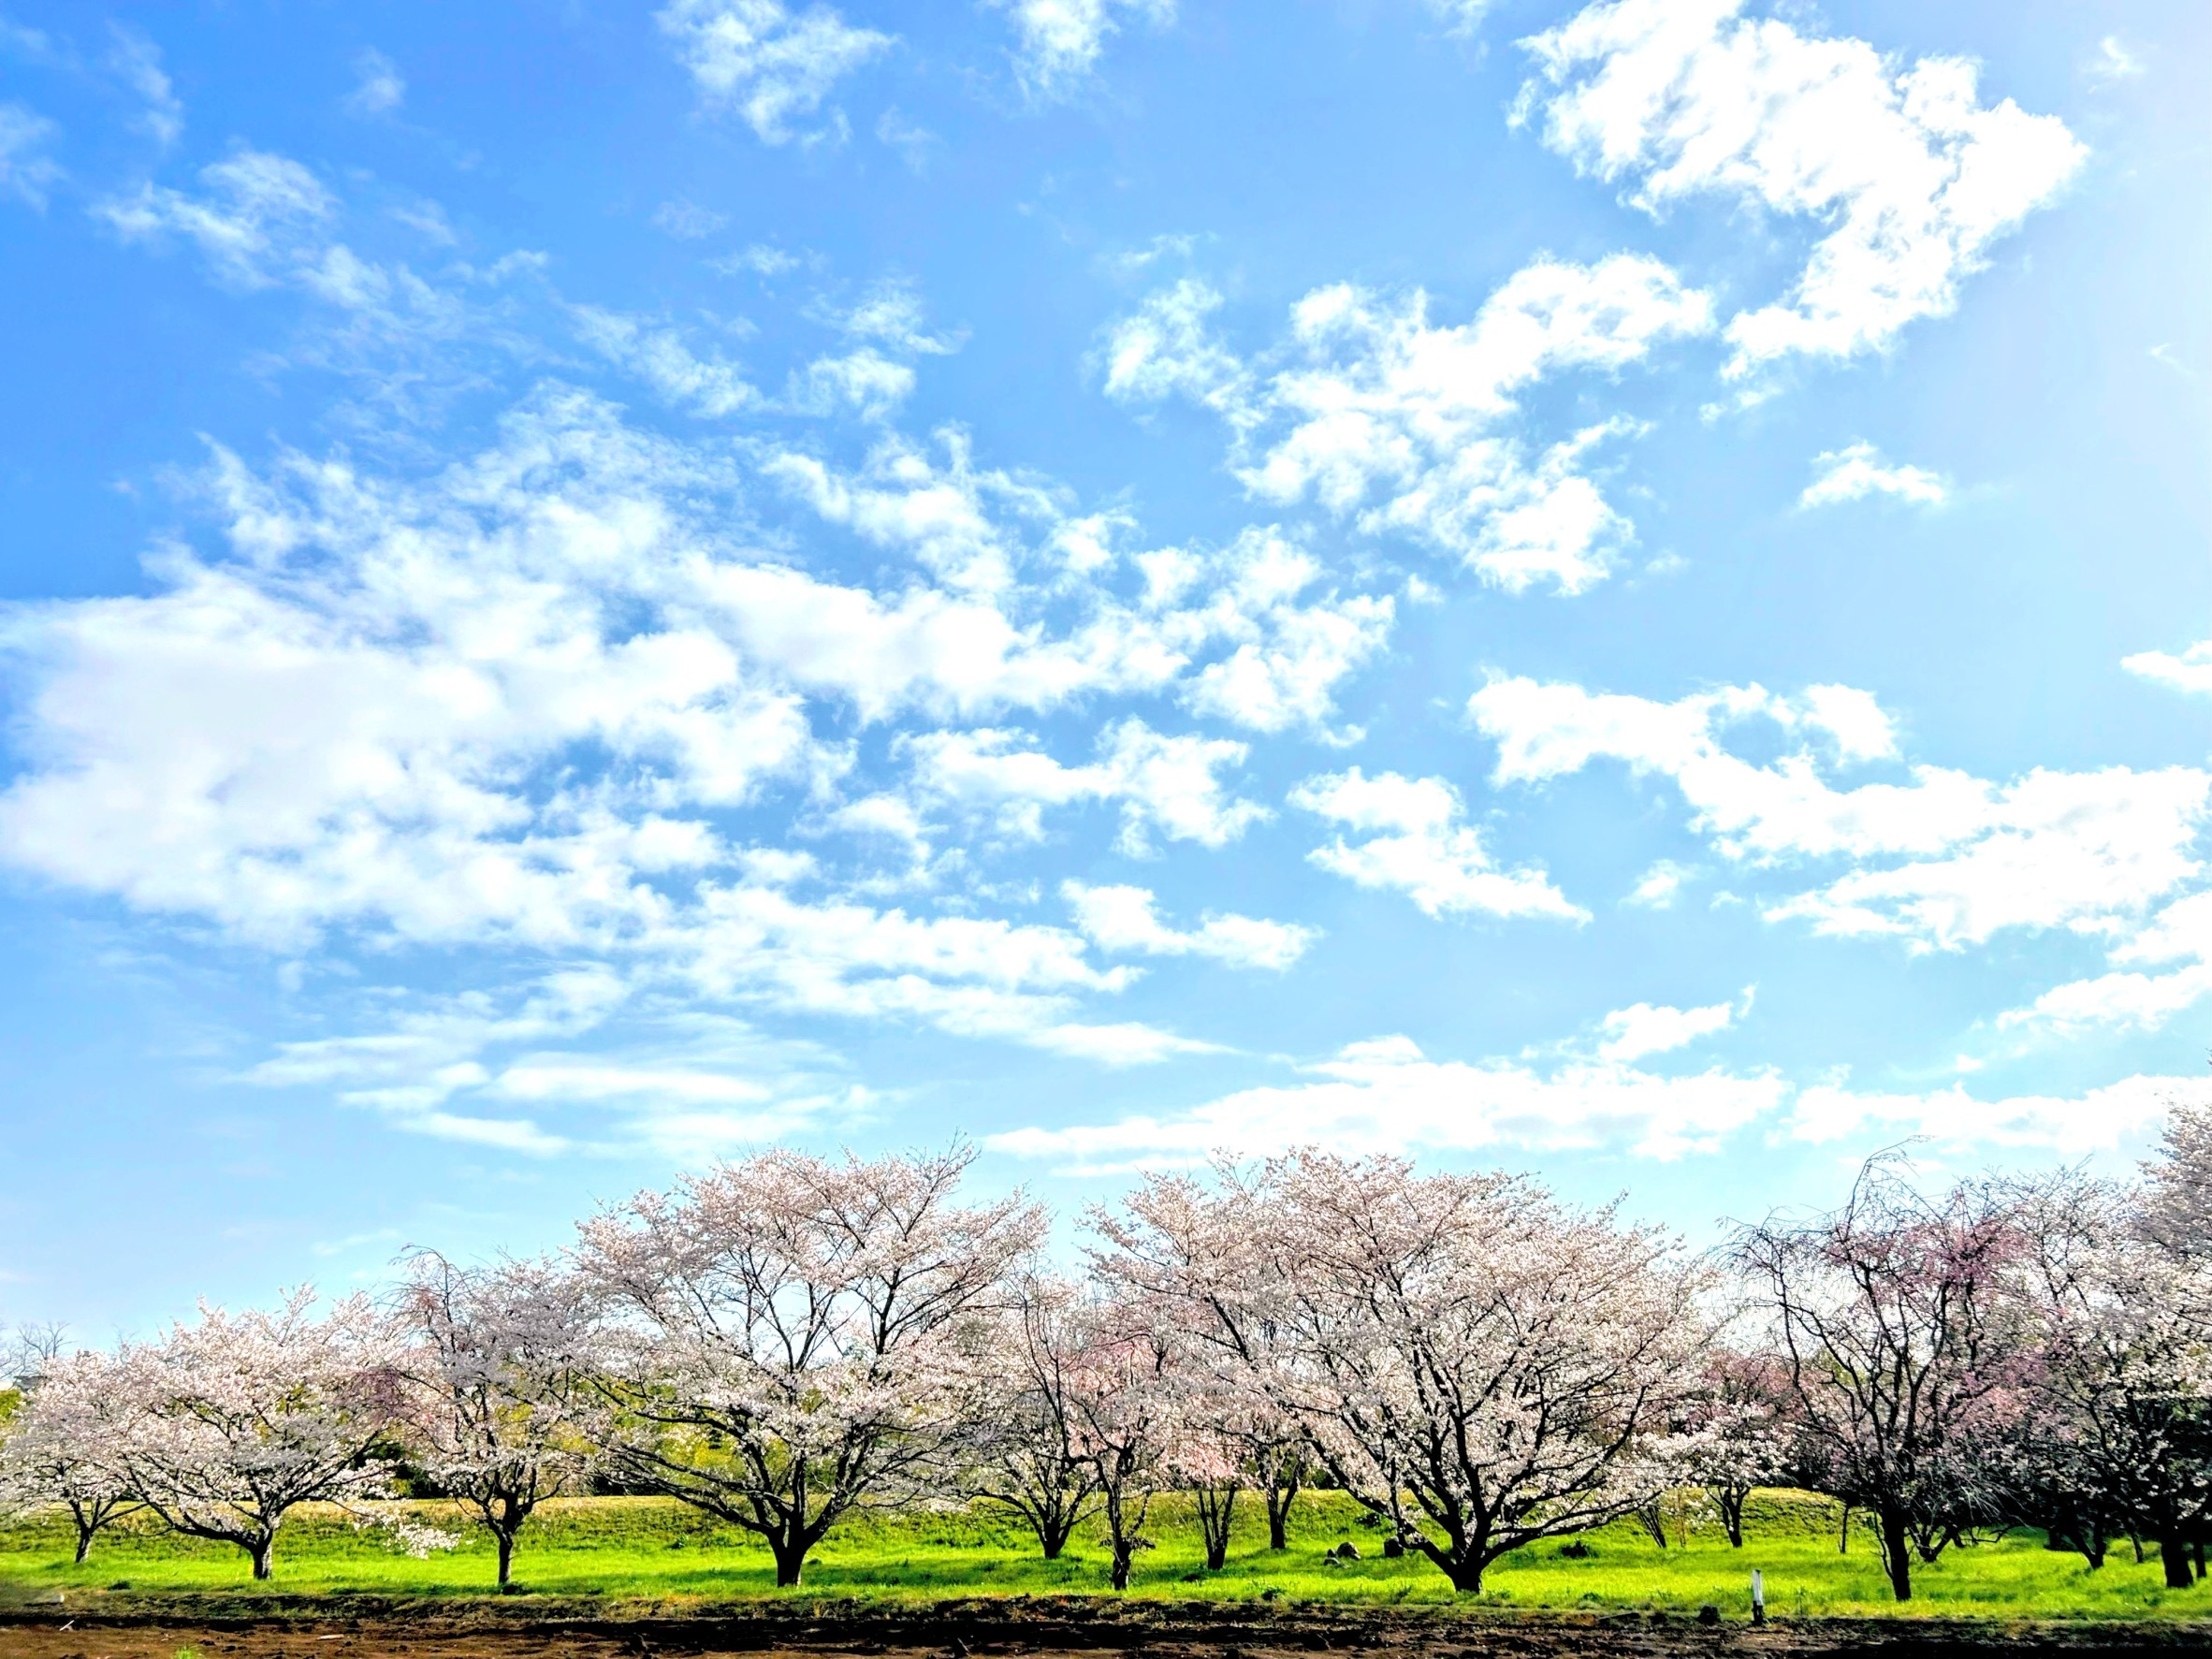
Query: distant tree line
column 778, row 1340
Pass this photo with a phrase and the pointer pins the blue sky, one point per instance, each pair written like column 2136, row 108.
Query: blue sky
column 1614, row 589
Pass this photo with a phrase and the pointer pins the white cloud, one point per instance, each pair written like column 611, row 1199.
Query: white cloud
column 2115, row 61
column 2160, row 971
column 705, row 384
column 687, row 220
column 1163, row 785
column 576, row 1078
column 2119, row 1001
column 515, row 705
column 27, row 173
column 1464, row 16
column 504, row 1134
column 421, row 1057
column 943, row 516
column 2099, row 1120
column 772, row 67
column 1126, row 1044
column 1124, row 919
column 1245, row 633
column 760, row 260
column 136, row 61
column 915, row 143
column 378, row 88
column 259, row 218
column 865, row 383
column 342, row 722
column 1658, row 887
column 1857, row 471
column 1405, row 426
column 1386, row 1096
column 259, row 221
column 1851, row 720
column 1417, row 844
column 982, row 977
column 682, row 1085
column 2085, row 851
column 1632, row 1033
column 34, row 44
column 2190, row 671
column 1290, row 652
column 1910, row 178
column 1058, row 43
column 863, row 380
column 1165, row 348
column 892, row 314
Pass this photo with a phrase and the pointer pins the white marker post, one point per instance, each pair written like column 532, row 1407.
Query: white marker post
column 1758, row 1598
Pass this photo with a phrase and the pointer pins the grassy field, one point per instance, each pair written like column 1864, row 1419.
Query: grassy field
column 639, row 1548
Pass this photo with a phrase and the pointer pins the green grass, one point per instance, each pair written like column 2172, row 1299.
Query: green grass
column 639, row 1548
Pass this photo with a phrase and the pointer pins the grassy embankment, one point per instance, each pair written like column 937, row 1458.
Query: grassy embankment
column 633, row 1548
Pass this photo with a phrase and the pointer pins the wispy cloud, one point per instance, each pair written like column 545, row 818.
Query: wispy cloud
column 27, row 171
column 1858, row 471
column 135, row 60
column 1058, row 43
column 378, row 87
column 772, row 67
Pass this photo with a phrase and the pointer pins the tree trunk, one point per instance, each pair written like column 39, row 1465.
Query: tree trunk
column 1282, row 1491
column 1216, row 1507
column 1730, row 1504
column 2196, row 1558
column 1119, row 1574
column 506, row 1543
column 1897, row 1553
column 1466, row 1575
column 790, row 1559
column 1843, row 1533
column 264, row 1553
column 2174, row 1556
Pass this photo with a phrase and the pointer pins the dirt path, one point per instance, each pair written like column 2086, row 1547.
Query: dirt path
column 1054, row 1633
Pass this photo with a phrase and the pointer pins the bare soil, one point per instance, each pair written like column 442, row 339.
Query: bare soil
column 364, row 1629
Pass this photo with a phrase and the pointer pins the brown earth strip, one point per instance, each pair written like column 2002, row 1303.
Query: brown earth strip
column 1005, row 1630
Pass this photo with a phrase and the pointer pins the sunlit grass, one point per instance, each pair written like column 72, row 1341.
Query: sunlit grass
column 644, row 1549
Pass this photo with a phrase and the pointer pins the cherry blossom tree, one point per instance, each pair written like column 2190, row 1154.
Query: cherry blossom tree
column 1210, row 1457
column 781, row 1337
column 1200, row 1247
column 1900, row 1321
column 1468, row 1344
column 239, row 1418
column 495, row 1369
column 2120, row 1433
column 1734, row 1432
column 1027, row 1451
column 60, row 1444
column 1129, row 1411
column 2174, row 1206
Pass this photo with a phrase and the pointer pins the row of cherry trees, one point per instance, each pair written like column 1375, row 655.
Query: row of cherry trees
column 780, row 1340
